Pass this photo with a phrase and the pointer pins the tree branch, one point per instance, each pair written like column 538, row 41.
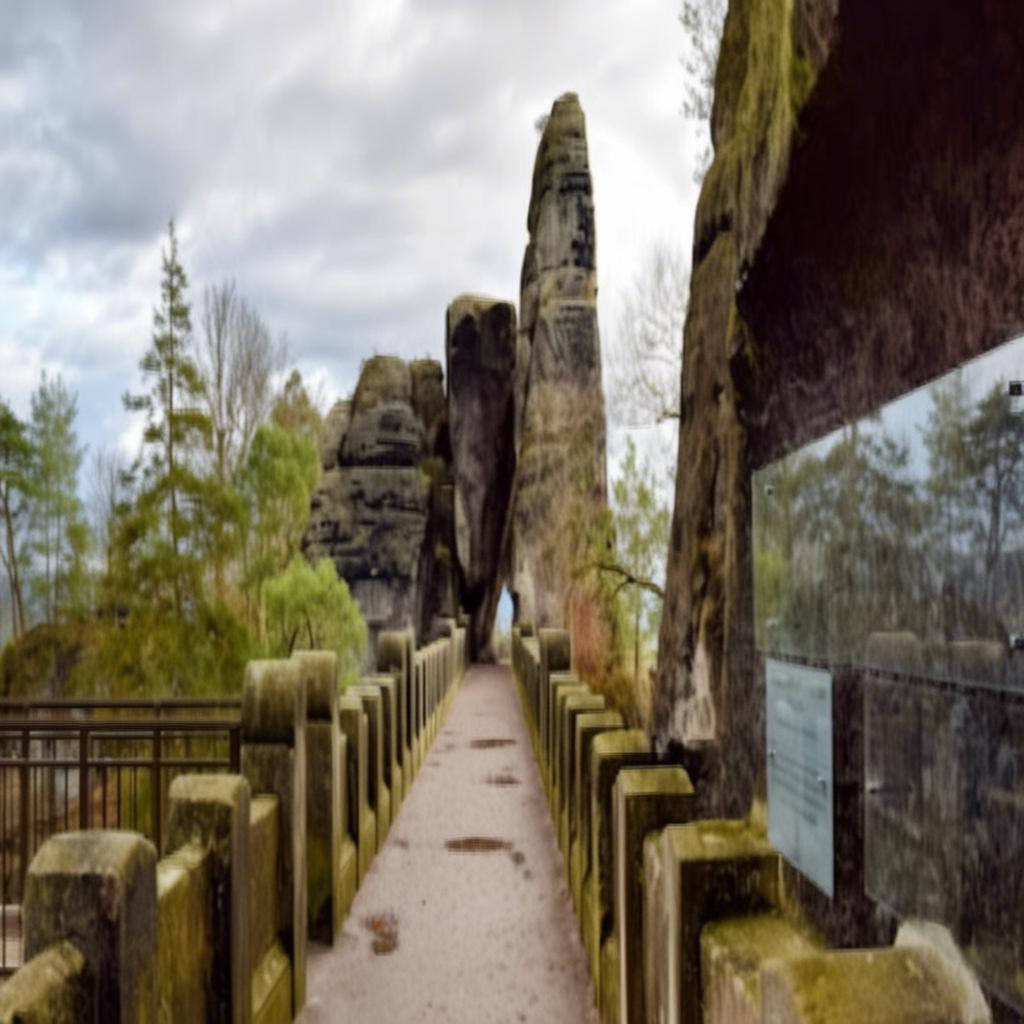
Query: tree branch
column 629, row 579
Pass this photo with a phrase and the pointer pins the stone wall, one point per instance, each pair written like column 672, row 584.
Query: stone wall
column 216, row 930
column 685, row 918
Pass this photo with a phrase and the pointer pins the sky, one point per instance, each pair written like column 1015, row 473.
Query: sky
column 353, row 165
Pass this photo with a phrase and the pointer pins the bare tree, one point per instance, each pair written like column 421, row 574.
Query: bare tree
column 238, row 360
column 645, row 360
column 108, row 491
column 702, row 21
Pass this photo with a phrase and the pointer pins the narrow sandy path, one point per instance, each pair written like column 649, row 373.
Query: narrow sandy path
column 481, row 936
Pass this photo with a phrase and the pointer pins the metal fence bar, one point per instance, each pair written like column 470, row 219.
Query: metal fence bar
column 40, row 756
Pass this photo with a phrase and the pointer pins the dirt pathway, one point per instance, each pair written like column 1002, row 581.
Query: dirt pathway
column 465, row 915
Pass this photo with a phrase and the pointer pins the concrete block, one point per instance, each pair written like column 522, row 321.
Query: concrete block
column 694, row 874
column 377, row 791
column 884, row 986
column 185, row 935
column 319, row 670
column 644, row 800
column 97, row 890
column 395, row 651
column 733, row 952
column 272, row 985
column 274, row 762
column 554, row 683
column 361, row 821
column 264, row 851
column 554, row 655
column 392, row 770
column 559, row 697
column 574, row 706
column 588, row 726
column 214, row 811
column 51, row 988
column 609, row 753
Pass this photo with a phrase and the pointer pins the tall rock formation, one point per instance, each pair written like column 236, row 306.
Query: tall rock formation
column 560, row 424
column 377, row 512
column 481, row 355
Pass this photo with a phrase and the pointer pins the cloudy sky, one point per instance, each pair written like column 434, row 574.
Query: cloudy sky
column 352, row 164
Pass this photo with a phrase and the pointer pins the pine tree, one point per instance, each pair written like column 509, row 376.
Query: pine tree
column 176, row 432
column 58, row 537
column 15, row 465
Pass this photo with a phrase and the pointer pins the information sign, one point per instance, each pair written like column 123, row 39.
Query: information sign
column 799, row 741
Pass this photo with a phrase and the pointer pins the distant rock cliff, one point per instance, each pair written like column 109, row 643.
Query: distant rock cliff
column 378, row 510
column 481, row 356
column 433, row 501
column 560, row 424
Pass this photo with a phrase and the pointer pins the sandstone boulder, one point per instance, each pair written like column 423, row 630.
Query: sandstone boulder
column 481, row 357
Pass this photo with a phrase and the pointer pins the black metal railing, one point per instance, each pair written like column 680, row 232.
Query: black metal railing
column 96, row 764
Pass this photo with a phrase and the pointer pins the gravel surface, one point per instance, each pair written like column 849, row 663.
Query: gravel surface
column 465, row 915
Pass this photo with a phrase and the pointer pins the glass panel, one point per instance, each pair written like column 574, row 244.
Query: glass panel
column 898, row 541
column 896, row 545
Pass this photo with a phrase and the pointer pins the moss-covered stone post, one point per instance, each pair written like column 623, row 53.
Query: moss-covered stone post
column 362, row 821
column 274, row 761
column 574, row 706
column 609, row 754
column 644, row 800
column 323, row 793
column 555, row 656
column 377, row 792
column 388, row 687
column 394, row 657
column 213, row 811
column 97, row 890
column 694, row 874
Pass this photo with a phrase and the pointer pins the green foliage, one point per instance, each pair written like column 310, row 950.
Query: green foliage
column 312, row 606
column 296, row 410
column 59, row 538
column 15, row 490
column 277, row 480
column 623, row 555
column 171, row 491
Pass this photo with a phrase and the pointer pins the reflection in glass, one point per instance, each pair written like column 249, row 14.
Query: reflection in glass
column 896, row 546
column 898, row 541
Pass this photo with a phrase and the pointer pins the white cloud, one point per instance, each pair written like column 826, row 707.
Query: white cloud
column 353, row 165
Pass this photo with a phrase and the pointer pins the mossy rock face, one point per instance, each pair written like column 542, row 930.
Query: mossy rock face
column 559, row 404
column 480, row 349
column 769, row 60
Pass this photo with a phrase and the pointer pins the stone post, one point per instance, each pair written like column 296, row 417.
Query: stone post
column 693, row 874
column 377, row 791
column 610, row 752
column 213, row 811
column 394, row 656
column 274, row 762
column 97, row 890
column 388, row 687
column 555, row 656
column 362, row 820
column 588, row 726
column 574, row 707
column 319, row 671
column 644, row 800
